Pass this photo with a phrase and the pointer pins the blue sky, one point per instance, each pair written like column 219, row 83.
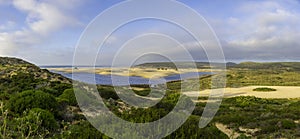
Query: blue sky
column 46, row 32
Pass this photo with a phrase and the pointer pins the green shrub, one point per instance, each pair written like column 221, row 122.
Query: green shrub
column 190, row 130
column 264, row 89
column 60, row 88
column 84, row 130
column 288, row 124
column 47, row 119
column 142, row 92
column 69, row 96
column 168, row 102
column 37, row 123
column 48, row 90
column 246, row 101
column 108, row 92
column 32, row 99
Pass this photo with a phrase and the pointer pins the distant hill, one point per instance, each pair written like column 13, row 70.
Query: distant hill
column 203, row 65
column 292, row 66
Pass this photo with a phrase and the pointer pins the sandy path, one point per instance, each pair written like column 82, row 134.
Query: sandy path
column 282, row 92
column 229, row 132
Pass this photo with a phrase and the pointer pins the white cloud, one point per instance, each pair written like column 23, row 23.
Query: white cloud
column 258, row 29
column 8, row 25
column 5, row 43
column 267, row 29
column 42, row 19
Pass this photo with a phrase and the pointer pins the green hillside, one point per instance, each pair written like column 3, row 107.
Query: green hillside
column 292, row 66
column 295, row 66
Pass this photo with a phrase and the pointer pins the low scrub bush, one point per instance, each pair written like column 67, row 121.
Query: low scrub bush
column 264, row 89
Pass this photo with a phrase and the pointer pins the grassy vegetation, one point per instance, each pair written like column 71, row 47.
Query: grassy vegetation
column 273, row 118
column 289, row 66
column 264, row 89
column 144, row 92
column 237, row 77
column 263, row 77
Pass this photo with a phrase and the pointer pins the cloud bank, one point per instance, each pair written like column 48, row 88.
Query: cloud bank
column 248, row 30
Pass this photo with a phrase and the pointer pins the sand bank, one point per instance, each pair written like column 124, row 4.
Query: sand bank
column 281, row 92
column 142, row 72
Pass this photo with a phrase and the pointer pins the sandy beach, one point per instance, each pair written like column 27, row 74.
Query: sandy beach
column 281, row 92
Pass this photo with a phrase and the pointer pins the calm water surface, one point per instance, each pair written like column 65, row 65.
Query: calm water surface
column 117, row 80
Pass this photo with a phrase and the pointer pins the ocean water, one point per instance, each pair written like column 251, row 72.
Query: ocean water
column 117, row 80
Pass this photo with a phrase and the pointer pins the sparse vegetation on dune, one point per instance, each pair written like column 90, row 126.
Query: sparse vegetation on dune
column 289, row 66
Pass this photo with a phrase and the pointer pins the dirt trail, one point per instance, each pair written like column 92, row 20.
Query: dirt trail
column 229, row 132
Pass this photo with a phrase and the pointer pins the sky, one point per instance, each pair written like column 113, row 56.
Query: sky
column 46, row 32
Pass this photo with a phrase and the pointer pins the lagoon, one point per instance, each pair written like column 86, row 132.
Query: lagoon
column 117, row 80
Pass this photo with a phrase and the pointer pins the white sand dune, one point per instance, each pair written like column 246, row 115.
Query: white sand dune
column 281, row 92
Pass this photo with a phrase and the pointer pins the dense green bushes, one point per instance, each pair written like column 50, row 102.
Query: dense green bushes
column 32, row 99
column 190, row 129
column 144, row 92
column 60, row 87
column 45, row 118
column 18, row 83
column 272, row 117
column 246, row 101
column 269, row 115
column 83, row 130
column 69, row 96
column 35, row 123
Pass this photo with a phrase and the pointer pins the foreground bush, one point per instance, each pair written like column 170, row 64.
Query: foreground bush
column 37, row 123
column 32, row 99
column 47, row 119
